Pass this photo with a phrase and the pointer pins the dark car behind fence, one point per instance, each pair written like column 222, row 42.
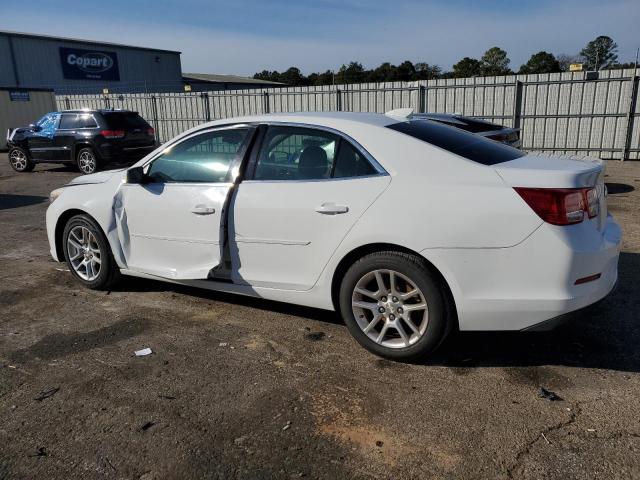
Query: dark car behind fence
column 584, row 113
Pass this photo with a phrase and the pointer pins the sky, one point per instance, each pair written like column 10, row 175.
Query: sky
column 246, row 36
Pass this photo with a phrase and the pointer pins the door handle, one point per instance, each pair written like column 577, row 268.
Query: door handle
column 203, row 210
column 332, row 209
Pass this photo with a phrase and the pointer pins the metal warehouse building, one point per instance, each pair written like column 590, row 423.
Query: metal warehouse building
column 71, row 66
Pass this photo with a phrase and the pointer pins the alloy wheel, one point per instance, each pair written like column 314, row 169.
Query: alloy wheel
column 87, row 162
column 390, row 308
column 84, row 253
column 18, row 159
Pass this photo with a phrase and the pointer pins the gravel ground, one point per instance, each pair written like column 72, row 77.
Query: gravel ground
column 242, row 388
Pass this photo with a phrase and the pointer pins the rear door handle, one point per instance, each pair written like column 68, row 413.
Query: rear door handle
column 203, row 210
column 331, row 208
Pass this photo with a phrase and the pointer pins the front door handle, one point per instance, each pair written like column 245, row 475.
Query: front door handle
column 203, row 210
column 332, row 209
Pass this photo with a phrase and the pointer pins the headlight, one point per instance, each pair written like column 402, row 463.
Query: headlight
column 55, row 194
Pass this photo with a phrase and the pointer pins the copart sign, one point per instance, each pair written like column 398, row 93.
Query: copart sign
column 89, row 64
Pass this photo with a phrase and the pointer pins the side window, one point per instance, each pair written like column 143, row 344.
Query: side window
column 351, row 163
column 204, row 158
column 294, row 153
column 68, row 121
column 86, row 121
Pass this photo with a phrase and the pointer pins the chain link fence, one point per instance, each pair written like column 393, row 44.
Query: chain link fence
column 586, row 113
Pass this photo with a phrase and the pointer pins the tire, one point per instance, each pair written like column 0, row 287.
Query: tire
column 87, row 161
column 19, row 160
column 107, row 273
column 430, row 325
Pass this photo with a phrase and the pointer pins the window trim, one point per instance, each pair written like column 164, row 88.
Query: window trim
column 237, row 162
column 380, row 171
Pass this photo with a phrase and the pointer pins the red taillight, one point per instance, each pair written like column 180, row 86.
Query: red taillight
column 561, row 206
column 112, row 133
column 151, row 132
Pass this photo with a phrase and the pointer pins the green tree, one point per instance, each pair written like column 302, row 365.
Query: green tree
column 467, row 67
column 494, row 62
column 352, row 73
column 424, row 71
column 293, row 77
column 541, row 62
column 600, row 53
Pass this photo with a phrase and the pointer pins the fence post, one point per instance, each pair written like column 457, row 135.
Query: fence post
column 422, row 94
column 517, row 105
column 67, row 103
column 338, row 99
column 207, row 109
column 154, row 110
column 106, row 101
column 265, row 100
column 631, row 114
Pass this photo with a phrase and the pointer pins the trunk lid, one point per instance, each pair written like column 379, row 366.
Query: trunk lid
column 543, row 171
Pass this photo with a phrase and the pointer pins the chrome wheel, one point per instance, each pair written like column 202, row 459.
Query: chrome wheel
column 84, row 253
column 87, row 162
column 18, row 159
column 390, row 309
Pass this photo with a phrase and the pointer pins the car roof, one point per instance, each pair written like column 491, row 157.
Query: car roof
column 95, row 110
column 330, row 119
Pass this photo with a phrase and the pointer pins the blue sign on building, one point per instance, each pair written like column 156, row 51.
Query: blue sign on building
column 79, row 64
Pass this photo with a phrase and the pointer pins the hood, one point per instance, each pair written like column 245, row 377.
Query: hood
column 99, row 177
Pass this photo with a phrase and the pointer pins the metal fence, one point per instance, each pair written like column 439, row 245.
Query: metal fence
column 560, row 113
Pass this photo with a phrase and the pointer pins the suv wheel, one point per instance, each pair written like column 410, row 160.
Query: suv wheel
column 87, row 253
column 394, row 306
column 19, row 160
column 87, row 161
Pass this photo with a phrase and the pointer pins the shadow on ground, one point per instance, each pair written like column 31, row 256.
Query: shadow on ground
column 8, row 201
column 605, row 336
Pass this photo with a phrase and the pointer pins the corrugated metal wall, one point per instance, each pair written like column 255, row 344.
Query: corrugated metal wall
column 561, row 112
column 20, row 113
column 39, row 66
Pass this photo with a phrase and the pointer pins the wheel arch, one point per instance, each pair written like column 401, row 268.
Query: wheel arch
column 80, row 145
column 61, row 223
column 359, row 252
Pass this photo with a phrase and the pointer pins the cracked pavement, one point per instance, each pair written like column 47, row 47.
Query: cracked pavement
column 244, row 388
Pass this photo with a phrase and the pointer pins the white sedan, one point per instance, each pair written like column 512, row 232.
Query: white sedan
column 407, row 227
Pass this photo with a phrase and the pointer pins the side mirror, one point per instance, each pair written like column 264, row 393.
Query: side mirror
column 34, row 127
column 136, row 175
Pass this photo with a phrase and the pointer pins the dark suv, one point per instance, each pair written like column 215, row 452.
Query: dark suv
column 92, row 139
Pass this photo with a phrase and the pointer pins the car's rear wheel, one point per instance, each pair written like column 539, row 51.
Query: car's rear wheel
column 88, row 255
column 394, row 306
column 87, row 161
column 19, row 160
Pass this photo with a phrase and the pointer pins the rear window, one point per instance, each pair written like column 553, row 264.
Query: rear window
column 125, row 121
column 467, row 145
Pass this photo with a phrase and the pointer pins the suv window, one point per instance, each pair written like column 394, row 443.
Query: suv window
column 472, row 147
column 297, row 153
column 125, row 121
column 203, row 158
column 69, row 121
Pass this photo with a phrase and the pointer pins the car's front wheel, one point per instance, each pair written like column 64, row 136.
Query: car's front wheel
column 87, row 161
column 19, row 160
column 87, row 253
column 394, row 306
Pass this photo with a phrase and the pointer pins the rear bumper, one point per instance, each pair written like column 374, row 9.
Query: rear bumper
column 533, row 282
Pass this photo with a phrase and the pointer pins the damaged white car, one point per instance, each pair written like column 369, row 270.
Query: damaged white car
column 407, row 227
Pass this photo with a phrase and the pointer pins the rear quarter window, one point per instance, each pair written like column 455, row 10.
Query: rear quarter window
column 125, row 121
column 467, row 145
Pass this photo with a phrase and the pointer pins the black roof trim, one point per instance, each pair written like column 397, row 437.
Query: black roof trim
column 39, row 36
column 25, row 89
